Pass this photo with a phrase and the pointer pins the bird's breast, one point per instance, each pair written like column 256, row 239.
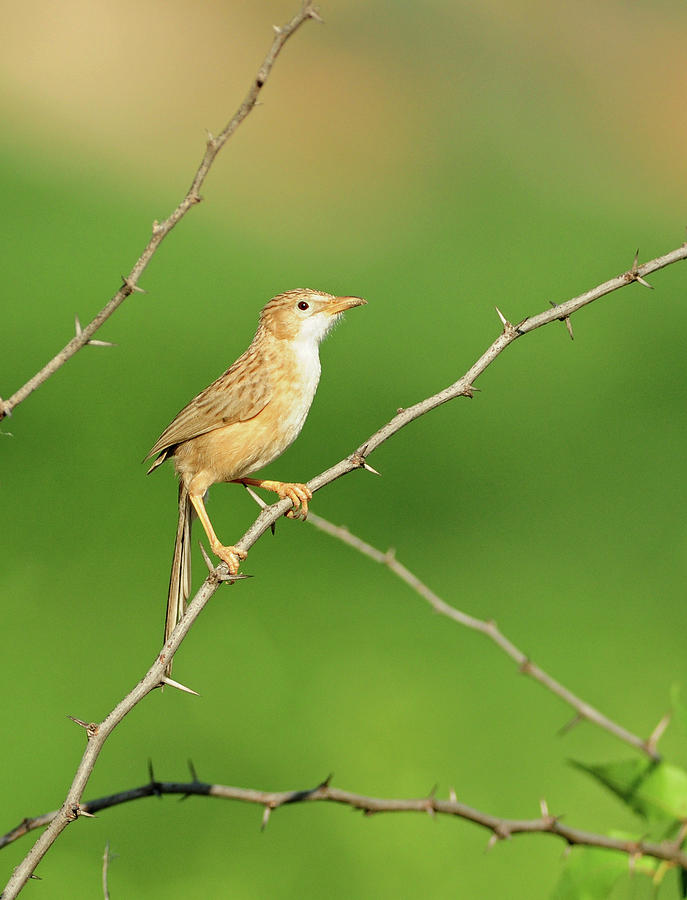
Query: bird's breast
column 295, row 388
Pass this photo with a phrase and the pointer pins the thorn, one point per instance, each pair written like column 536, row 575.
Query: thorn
column 276, row 29
column 211, row 569
column 267, row 812
column 78, row 721
column 680, row 836
column 35, row 877
column 469, row 391
column 492, row 842
column 91, row 727
column 77, row 326
column 84, row 812
column 504, row 320
column 181, row 687
column 261, row 503
column 95, row 343
column 570, row 725
column 327, row 781
column 314, row 13
column 658, row 732
column 132, row 286
column 525, row 667
column 390, row 556
column 208, row 561
column 452, row 795
column 358, row 459
column 192, row 770
column 634, row 273
column 544, row 807
column 258, row 499
column 566, row 320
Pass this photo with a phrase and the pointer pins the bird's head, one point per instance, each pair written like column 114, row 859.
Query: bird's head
column 304, row 314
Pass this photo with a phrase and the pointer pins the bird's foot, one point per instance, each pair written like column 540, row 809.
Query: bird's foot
column 232, row 556
column 299, row 494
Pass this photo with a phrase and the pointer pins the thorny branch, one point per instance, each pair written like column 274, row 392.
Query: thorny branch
column 582, row 709
column 501, row 829
column 84, row 335
column 98, row 733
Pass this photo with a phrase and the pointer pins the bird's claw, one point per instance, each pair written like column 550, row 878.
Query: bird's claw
column 299, row 495
column 232, row 556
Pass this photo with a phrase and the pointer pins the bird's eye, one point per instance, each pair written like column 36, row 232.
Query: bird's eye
column 303, row 305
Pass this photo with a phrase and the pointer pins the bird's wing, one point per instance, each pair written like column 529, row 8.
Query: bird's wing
column 237, row 395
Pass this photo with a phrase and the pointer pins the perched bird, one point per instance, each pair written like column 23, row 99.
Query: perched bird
column 244, row 420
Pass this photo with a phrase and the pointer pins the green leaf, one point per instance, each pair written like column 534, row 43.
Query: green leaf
column 591, row 873
column 655, row 791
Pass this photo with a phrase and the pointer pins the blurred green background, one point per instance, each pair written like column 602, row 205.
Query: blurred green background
column 437, row 159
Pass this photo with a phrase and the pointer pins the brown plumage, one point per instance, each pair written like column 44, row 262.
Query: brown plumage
column 244, row 420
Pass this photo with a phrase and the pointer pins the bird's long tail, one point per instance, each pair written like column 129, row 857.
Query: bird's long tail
column 180, row 576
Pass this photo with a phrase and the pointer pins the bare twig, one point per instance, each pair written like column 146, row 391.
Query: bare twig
column 501, row 829
column 490, row 629
column 84, row 336
column 71, row 808
column 107, row 856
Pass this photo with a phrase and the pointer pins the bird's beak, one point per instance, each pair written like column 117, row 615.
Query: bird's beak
column 341, row 304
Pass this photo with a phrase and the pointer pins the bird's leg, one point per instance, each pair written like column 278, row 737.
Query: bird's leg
column 298, row 494
column 232, row 556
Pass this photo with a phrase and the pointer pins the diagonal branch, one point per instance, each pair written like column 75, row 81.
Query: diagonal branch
column 501, row 829
column 461, row 388
column 98, row 733
column 489, row 628
column 162, row 229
